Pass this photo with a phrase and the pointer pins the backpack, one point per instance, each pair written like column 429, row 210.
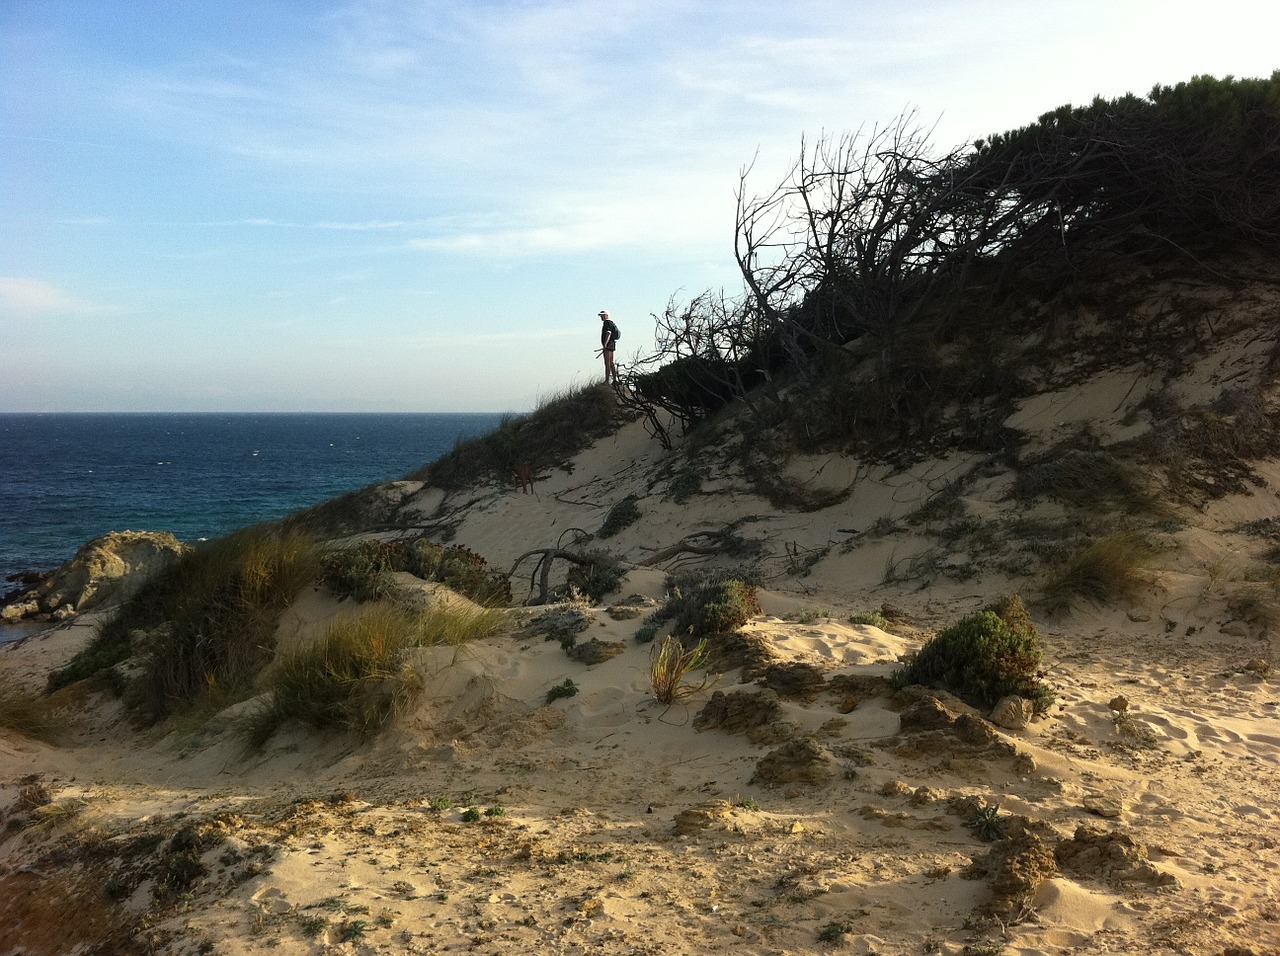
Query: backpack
column 617, row 332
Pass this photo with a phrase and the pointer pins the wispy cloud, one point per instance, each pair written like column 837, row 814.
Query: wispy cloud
column 22, row 297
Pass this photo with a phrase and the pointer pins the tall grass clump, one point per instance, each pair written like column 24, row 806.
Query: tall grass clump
column 554, row 432
column 670, row 666
column 358, row 678
column 982, row 658
column 206, row 624
column 1104, row 571
column 28, row 714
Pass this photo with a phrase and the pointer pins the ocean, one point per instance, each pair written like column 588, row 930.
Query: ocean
column 66, row 479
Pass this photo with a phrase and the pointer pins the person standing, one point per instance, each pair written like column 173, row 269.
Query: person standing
column 609, row 336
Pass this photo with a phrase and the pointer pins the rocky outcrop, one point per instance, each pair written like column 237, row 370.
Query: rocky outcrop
column 108, row 568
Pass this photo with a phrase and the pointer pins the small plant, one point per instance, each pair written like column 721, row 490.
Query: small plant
column 748, row 804
column 874, row 618
column 495, row 812
column 835, row 932
column 566, row 688
column 988, row 825
column 470, row 815
column 671, row 663
column 646, row 633
column 440, row 803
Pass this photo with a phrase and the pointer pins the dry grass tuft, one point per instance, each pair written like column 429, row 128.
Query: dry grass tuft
column 29, row 715
column 357, row 679
column 1105, row 571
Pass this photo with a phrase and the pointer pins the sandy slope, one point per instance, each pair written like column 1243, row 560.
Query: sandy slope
column 610, row 824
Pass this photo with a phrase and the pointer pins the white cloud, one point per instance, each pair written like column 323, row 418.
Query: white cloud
column 31, row 298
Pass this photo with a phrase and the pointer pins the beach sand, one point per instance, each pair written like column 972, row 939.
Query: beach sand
column 826, row 813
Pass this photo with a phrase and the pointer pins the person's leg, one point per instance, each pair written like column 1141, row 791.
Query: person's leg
column 610, row 372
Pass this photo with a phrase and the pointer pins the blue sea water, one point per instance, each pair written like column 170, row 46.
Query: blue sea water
column 66, row 479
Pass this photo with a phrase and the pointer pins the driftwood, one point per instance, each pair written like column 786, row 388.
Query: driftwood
column 702, row 542
column 542, row 570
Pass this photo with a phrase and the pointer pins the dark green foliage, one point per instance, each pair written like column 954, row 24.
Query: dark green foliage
column 646, row 633
column 706, row 604
column 567, row 688
column 685, row 485
column 210, row 619
column 548, row 437
column 470, row 815
column 362, row 572
column 622, row 515
column 988, row 825
column 981, row 659
column 600, row 575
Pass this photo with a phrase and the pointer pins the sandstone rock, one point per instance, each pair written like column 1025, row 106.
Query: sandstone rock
column 1013, row 712
column 928, row 713
column 894, row 788
column 110, row 567
column 1109, row 855
column 1103, row 804
column 1119, row 704
column 794, row 679
column 800, row 761
column 757, row 716
column 704, row 815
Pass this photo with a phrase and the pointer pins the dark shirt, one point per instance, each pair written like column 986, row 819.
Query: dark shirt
column 608, row 333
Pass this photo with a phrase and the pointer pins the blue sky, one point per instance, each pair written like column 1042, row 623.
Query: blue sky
column 421, row 205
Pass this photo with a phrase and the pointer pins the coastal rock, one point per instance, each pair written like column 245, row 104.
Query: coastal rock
column 1013, row 712
column 110, row 567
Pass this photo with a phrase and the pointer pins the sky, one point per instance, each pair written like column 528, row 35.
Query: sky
column 422, row 205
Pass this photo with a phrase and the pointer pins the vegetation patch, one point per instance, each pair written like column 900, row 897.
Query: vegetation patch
column 595, row 574
column 547, row 437
column 362, row 572
column 205, row 625
column 357, row 679
column 621, row 516
column 981, row 659
column 1104, row 571
column 706, row 603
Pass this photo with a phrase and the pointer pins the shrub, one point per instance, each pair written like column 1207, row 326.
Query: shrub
column 210, row 617
column 362, row 572
column 717, row 608
column 981, row 659
column 600, row 576
column 622, row 515
column 356, row 679
column 670, row 664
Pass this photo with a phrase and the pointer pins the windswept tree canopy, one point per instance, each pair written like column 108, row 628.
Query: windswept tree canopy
column 879, row 240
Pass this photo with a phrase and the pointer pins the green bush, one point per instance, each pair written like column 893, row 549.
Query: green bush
column 599, row 577
column 706, row 603
column 362, row 572
column 622, row 515
column 549, row 436
column 981, row 659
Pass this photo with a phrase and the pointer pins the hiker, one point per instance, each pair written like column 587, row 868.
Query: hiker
column 609, row 336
